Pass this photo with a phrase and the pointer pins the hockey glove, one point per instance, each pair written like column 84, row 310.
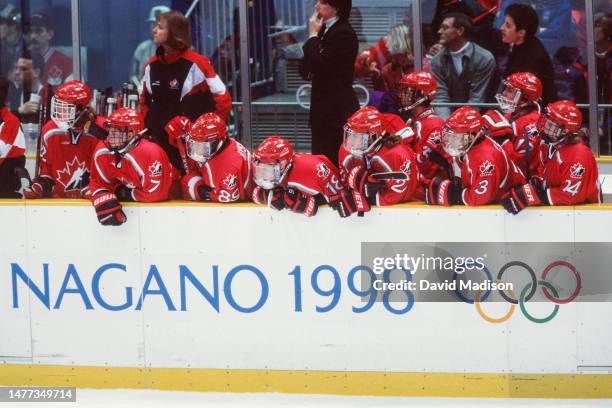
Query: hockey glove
column 40, row 187
column 124, row 193
column 523, row 196
column 194, row 189
column 347, row 202
column 177, row 127
column 444, row 192
column 108, row 209
column 275, row 198
column 359, row 180
column 498, row 126
column 300, row 202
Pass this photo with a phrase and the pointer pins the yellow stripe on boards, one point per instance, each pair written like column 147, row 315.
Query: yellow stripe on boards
column 314, row 382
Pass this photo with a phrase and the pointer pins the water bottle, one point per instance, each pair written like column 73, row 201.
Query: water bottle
column 31, row 136
column 110, row 106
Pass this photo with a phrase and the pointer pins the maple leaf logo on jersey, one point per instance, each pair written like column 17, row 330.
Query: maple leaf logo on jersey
column 155, row 169
column 436, row 137
column 174, row 84
column 405, row 168
column 73, row 175
column 486, row 168
column 230, row 181
column 577, row 170
column 322, row 170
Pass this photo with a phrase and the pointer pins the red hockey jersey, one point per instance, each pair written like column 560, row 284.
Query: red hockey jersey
column 570, row 174
column 12, row 140
column 65, row 159
column 486, row 173
column 145, row 170
column 314, row 174
column 525, row 130
column 227, row 173
column 427, row 128
column 397, row 158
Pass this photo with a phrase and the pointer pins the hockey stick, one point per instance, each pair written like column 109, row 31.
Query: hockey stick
column 390, row 175
column 180, row 144
column 42, row 119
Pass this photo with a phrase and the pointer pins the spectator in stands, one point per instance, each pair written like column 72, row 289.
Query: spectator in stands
column 329, row 55
column 146, row 49
column 11, row 40
column 28, row 74
column 12, row 149
column 58, row 67
column 464, row 71
column 527, row 54
column 178, row 83
column 603, row 54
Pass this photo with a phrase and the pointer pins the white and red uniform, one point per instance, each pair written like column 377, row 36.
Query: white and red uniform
column 227, row 174
column 397, row 158
column 428, row 138
column 145, row 170
column 314, row 174
column 65, row 159
column 58, row 68
column 12, row 140
column 524, row 128
column 570, row 174
column 486, row 173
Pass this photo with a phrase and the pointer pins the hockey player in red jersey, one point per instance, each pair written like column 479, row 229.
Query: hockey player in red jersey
column 518, row 135
column 568, row 173
column 127, row 168
column 368, row 148
column 482, row 170
column 68, row 143
column 219, row 168
column 417, row 91
column 299, row 182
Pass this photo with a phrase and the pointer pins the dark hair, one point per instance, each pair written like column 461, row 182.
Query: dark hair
column 343, row 7
column 605, row 20
column 179, row 37
column 4, row 87
column 460, row 20
column 525, row 18
column 38, row 62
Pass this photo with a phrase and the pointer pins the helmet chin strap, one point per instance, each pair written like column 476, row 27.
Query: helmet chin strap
column 415, row 104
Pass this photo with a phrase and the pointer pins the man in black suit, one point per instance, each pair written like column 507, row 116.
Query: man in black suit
column 329, row 55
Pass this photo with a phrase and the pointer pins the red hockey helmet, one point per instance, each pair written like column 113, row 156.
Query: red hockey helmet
column 416, row 88
column 362, row 129
column 560, row 119
column 68, row 101
column 520, row 89
column 272, row 161
column 461, row 130
column 205, row 137
column 123, row 124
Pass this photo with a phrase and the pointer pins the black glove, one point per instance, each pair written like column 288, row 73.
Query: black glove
column 441, row 191
column 523, row 196
column 124, row 193
column 359, row 180
column 108, row 209
column 346, row 202
column 300, row 202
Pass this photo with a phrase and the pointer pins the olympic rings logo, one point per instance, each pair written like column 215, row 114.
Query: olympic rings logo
column 526, row 293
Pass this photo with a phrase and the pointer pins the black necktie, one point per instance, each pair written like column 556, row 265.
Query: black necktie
column 321, row 31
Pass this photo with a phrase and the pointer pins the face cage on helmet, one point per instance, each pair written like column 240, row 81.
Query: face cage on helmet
column 267, row 176
column 357, row 143
column 409, row 98
column 508, row 104
column 62, row 113
column 117, row 138
column 200, row 151
column 457, row 144
column 551, row 131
